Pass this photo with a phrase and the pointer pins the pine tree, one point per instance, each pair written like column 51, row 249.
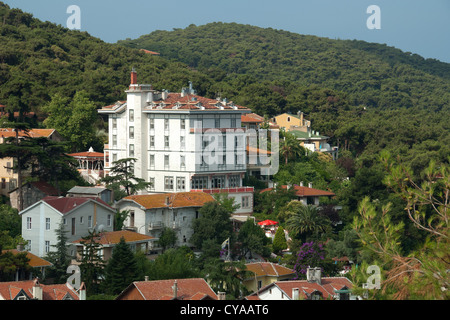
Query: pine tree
column 122, row 268
column 59, row 258
column 92, row 264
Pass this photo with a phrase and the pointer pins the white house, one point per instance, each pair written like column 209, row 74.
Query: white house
column 315, row 287
column 149, row 214
column 182, row 141
column 79, row 215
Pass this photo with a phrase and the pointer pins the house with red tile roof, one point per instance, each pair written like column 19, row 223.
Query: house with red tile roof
column 9, row 176
column 37, row 264
column 79, row 215
column 34, row 290
column 264, row 273
column 174, row 289
column 150, row 213
column 307, row 195
column 108, row 240
column 313, row 288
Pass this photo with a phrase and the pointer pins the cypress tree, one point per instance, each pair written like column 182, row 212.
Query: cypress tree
column 122, row 268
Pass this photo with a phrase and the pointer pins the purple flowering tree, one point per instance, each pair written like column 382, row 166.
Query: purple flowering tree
column 310, row 254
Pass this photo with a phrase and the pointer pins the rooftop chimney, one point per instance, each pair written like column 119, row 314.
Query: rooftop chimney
column 37, row 290
column 133, row 76
column 175, row 289
column 314, row 275
column 295, row 295
column 310, row 185
column 221, row 295
column 82, row 293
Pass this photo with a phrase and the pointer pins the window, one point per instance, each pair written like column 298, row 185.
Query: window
column 245, row 202
column 47, row 223
column 168, row 183
column 166, row 161
column 199, row 182
column 89, row 221
column 152, row 123
column 217, row 123
column 131, row 150
column 131, row 132
column 28, row 223
column 114, row 157
column 152, row 184
column 183, row 124
column 114, row 123
column 166, row 124
column 218, row 182
column 182, row 162
column 233, row 181
column 114, row 142
column 152, row 142
column 181, row 183
column 152, row 161
column 132, row 218
column 131, row 115
column 47, row 246
column 108, row 220
column 182, row 143
column 233, row 122
column 81, row 220
column 166, row 141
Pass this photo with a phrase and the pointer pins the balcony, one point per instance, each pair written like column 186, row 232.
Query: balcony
column 155, row 225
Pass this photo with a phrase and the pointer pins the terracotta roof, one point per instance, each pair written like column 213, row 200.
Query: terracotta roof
column 67, row 204
column 87, row 154
column 327, row 287
column 33, row 133
column 193, row 102
column 268, row 269
column 34, row 262
column 175, row 101
column 175, row 200
column 252, row 117
column 305, row 191
column 187, row 289
column 149, row 52
column 113, row 237
column 10, row 290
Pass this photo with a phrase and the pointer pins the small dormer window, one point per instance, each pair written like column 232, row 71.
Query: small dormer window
column 288, row 119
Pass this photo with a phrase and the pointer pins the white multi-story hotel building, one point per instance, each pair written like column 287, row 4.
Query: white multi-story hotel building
column 182, row 142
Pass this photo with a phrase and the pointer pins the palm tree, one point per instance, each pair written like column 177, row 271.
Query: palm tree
column 290, row 148
column 307, row 220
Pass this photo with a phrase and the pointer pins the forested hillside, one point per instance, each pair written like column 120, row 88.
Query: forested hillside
column 39, row 59
column 373, row 75
column 367, row 97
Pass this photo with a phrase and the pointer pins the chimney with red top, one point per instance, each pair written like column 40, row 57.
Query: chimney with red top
column 133, row 76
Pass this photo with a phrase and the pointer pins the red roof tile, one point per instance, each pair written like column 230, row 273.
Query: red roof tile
column 327, row 287
column 113, row 237
column 175, row 200
column 305, row 191
column 67, row 204
column 187, row 289
column 9, row 290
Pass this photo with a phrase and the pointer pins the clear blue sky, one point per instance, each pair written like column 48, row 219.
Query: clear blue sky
column 417, row 26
